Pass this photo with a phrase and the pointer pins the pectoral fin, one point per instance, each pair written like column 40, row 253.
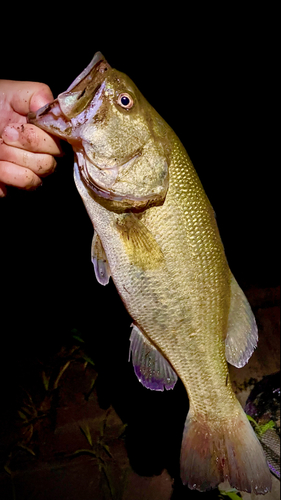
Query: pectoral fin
column 242, row 335
column 152, row 369
column 139, row 244
column 99, row 260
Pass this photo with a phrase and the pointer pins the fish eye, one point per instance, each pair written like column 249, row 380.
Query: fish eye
column 125, row 101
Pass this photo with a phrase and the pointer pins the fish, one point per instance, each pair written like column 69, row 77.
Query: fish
column 156, row 237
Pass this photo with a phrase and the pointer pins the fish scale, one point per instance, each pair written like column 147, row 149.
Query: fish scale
column 190, row 245
column 157, row 237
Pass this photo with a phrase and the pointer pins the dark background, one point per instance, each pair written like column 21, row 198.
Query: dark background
column 212, row 78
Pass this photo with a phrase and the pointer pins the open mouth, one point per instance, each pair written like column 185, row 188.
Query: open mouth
column 62, row 115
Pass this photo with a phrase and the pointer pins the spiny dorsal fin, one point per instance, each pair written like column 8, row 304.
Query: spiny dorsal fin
column 242, row 334
column 99, row 260
column 152, row 369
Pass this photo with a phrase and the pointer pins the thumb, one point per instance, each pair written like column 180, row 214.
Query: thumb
column 26, row 96
column 41, row 97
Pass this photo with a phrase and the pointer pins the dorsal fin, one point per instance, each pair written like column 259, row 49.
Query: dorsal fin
column 152, row 369
column 242, row 334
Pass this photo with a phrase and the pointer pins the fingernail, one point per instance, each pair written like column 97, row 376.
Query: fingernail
column 11, row 133
column 54, row 165
column 33, row 187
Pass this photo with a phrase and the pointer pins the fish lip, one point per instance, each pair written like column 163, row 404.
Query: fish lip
column 61, row 108
column 51, row 108
column 32, row 117
column 96, row 59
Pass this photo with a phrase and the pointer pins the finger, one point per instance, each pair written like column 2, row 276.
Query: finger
column 3, row 190
column 26, row 96
column 31, row 138
column 14, row 175
column 40, row 164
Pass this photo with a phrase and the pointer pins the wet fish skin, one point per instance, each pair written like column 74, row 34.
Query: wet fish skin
column 158, row 232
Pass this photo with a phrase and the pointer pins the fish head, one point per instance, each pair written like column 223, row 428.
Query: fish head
column 121, row 143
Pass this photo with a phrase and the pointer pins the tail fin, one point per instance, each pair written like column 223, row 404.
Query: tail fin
column 223, row 451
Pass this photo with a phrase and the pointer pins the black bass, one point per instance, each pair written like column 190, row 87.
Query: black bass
column 157, row 237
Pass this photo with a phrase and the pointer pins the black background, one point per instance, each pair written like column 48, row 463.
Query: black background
column 211, row 76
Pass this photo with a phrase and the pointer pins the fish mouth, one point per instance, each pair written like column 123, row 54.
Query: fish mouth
column 57, row 117
column 51, row 119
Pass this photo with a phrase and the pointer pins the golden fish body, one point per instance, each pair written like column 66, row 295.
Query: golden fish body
column 156, row 235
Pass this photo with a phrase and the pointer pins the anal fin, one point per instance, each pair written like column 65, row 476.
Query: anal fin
column 151, row 368
column 99, row 260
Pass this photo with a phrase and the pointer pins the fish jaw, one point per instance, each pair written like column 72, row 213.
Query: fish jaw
column 55, row 117
column 64, row 116
column 82, row 77
column 51, row 119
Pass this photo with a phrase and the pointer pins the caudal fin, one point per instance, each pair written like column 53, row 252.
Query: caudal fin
column 223, row 451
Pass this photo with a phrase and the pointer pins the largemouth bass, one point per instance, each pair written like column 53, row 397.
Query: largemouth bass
column 157, row 237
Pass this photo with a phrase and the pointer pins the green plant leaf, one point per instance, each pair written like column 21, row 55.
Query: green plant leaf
column 87, row 433
column 26, row 448
column 77, row 337
column 88, row 359
column 251, row 419
column 106, row 448
column 8, row 470
column 122, row 431
column 261, row 429
column 233, row 494
column 61, row 372
column 83, row 451
column 22, row 415
column 46, row 381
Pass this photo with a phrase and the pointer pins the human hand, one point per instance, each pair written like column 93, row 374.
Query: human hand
column 26, row 152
